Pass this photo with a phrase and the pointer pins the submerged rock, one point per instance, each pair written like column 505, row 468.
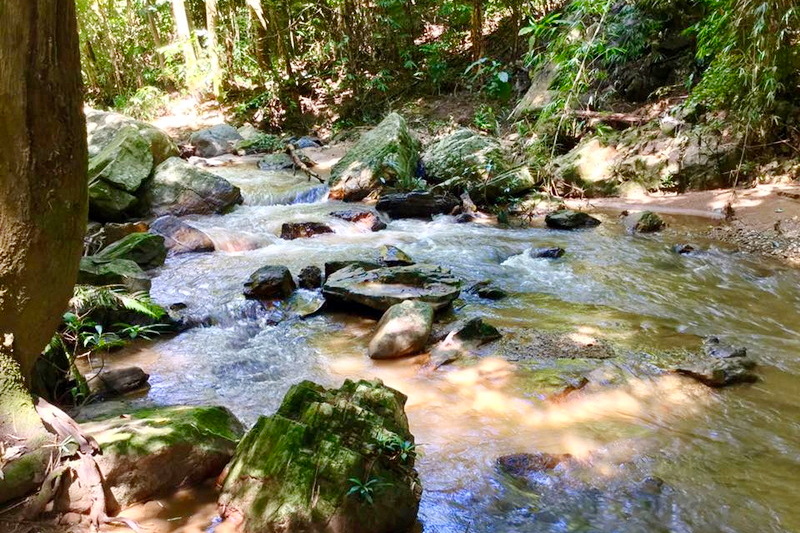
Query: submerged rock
column 392, row 256
column 466, row 161
column 714, row 347
column 649, row 222
column 310, row 278
column 546, row 253
column 522, row 465
column 382, row 288
column 365, row 219
column 145, row 249
column 217, row 140
column 152, row 452
column 476, row 331
column 462, row 340
column 326, row 462
column 569, row 219
column 271, row 282
column 179, row 189
column 683, row 249
column 112, row 383
column 720, row 372
column 416, row 204
column 98, row 271
column 180, row 237
column 486, row 290
column 303, row 230
column 403, row 330
column 385, row 156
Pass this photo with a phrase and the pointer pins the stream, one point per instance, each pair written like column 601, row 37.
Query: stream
column 729, row 458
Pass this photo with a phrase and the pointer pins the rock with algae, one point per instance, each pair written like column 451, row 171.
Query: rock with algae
column 327, row 461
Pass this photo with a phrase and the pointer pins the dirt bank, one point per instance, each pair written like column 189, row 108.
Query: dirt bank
column 764, row 219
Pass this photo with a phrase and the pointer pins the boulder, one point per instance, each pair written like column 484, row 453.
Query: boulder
column 271, row 282
column 217, row 140
column 384, row 157
column 569, row 219
column 477, row 332
column 393, row 256
column 145, row 249
column 102, row 127
column 179, row 189
column 403, row 330
column 416, row 204
column 462, row 340
column 303, row 230
column 180, row 237
column 107, row 203
column 364, row 219
column 466, row 161
column 310, row 278
column 649, row 222
column 546, row 253
column 276, row 161
column 124, row 163
column 150, row 453
column 112, row 383
column 485, row 289
column 382, row 288
column 99, row 271
column 328, row 461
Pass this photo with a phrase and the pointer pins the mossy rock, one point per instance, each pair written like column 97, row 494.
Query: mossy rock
column 108, row 203
column 297, row 470
column 145, row 249
column 152, row 452
column 102, row 126
column 649, row 222
column 102, row 271
column 387, row 156
column 475, row 163
column 125, row 162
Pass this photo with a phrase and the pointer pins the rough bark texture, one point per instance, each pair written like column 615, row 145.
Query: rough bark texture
column 43, row 197
column 43, row 204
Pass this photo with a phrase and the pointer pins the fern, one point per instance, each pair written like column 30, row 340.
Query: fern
column 87, row 298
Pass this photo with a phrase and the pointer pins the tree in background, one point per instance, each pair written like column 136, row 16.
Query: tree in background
column 43, row 211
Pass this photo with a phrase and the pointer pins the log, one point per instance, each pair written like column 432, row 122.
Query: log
column 299, row 163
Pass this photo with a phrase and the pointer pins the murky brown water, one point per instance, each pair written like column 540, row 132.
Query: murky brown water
column 730, row 459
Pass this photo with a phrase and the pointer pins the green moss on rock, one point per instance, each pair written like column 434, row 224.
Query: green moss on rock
column 145, row 249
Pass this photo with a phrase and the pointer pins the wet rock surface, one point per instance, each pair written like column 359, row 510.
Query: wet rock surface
column 649, row 222
column 112, row 383
column 180, row 237
column 570, row 220
column 547, row 253
column 269, row 283
column 403, row 330
column 364, row 219
column 416, row 204
column 303, row 230
column 392, row 256
column 382, row 288
column 310, row 278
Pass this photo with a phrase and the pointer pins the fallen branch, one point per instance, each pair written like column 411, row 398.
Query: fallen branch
column 299, row 163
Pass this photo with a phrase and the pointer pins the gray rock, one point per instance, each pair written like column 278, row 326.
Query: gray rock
column 310, row 278
column 713, row 347
column 277, row 161
column 180, row 237
column 416, row 204
column 214, row 141
column 486, row 290
column 102, row 127
column 403, row 330
column 569, row 219
column 720, row 372
column 382, row 288
column 271, row 282
column 383, row 157
column 335, row 266
column 124, row 163
column 522, row 465
column 112, row 383
column 179, row 189
column 392, row 256
column 107, row 203
column 546, row 253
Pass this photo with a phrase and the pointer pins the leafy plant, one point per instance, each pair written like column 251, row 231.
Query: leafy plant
column 365, row 490
column 397, row 448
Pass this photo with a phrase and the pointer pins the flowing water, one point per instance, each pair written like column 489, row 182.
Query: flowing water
column 729, row 459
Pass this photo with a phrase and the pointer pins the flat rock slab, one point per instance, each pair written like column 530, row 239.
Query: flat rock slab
column 382, row 288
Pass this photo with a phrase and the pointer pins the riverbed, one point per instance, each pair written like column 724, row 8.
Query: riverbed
column 729, row 459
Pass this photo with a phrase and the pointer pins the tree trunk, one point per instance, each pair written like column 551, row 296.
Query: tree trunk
column 43, row 210
column 213, row 51
column 151, row 22
column 476, row 30
column 185, row 37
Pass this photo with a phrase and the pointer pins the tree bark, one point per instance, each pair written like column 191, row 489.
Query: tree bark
column 213, row 52
column 184, row 34
column 43, row 210
column 476, row 30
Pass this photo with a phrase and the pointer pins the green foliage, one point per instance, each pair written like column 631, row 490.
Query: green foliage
column 262, row 143
column 485, row 119
column 491, row 76
column 365, row 490
column 146, row 103
column 751, row 49
column 397, row 448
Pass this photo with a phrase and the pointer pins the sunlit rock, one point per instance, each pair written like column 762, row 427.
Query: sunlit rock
column 569, row 219
column 338, row 460
column 403, row 330
column 180, row 237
